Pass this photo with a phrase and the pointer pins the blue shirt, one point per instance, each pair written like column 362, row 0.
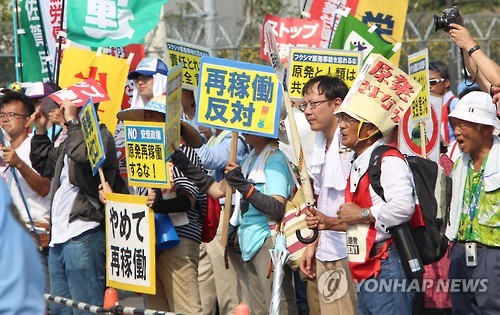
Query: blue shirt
column 254, row 226
column 22, row 280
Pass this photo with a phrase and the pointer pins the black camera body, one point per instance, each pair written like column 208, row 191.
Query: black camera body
column 450, row 15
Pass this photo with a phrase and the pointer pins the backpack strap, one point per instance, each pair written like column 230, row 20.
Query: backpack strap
column 375, row 165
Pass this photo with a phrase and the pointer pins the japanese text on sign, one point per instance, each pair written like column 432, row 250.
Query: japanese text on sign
column 419, row 71
column 174, row 110
column 145, row 151
column 189, row 55
column 130, row 243
column 239, row 96
column 306, row 64
column 92, row 136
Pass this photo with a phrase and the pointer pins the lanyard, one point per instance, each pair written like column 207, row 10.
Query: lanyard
column 473, row 203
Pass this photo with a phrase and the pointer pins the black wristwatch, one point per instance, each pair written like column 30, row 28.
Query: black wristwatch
column 73, row 121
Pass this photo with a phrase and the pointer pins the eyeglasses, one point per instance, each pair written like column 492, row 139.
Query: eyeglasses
column 311, row 104
column 143, row 78
column 11, row 115
column 435, row 81
column 346, row 119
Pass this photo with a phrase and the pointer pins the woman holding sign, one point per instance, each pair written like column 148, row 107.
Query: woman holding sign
column 263, row 182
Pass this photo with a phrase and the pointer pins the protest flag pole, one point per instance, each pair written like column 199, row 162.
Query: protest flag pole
column 60, row 35
column 105, row 187
column 229, row 191
column 17, row 48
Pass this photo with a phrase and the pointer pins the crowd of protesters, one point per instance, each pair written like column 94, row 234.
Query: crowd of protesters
column 54, row 194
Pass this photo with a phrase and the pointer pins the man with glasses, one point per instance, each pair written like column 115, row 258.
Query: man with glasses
column 30, row 193
column 150, row 80
column 439, row 83
column 474, row 211
column 329, row 168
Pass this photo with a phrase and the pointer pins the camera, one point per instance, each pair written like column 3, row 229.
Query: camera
column 450, row 15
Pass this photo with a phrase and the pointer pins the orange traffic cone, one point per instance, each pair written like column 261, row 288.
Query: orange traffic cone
column 110, row 297
column 242, row 309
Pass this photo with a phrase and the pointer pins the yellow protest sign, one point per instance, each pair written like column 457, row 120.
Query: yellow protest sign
column 92, row 135
column 174, row 109
column 381, row 93
column 418, row 68
column 130, row 244
column 239, row 96
column 307, row 63
column 190, row 55
column 110, row 72
column 389, row 16
column 145, row 149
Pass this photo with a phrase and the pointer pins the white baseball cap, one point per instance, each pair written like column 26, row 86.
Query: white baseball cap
column 476, row 107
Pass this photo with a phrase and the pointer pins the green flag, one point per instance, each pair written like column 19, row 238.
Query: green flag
column 104, row 23
column 352, row 34
column 36, row 65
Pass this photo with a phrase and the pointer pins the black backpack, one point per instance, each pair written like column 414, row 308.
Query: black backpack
column 429, row 239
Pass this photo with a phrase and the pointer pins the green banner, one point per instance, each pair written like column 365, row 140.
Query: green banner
column 98, row 23
column 35, row 62
column 352, row 34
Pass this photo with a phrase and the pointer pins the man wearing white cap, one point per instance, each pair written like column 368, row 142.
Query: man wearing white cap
column 150, row 80
column 475, row 212
column 368, row 216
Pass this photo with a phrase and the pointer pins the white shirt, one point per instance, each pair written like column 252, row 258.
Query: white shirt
column 64, row 198
column 397, row 181
column 330, row 190
column 39, row 207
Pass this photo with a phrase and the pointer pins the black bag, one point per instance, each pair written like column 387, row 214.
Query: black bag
column 429, row 239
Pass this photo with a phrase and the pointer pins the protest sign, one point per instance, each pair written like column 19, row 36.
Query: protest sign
column 326, row 11
column 291, row 32
column 307, row 63
column 190, row 55
column 92, row 136
column 418, row 68
column 130, row 244
column 174, row 109
column 80, row 92
column 239, row 96
column 145, row 151
column 381, row 93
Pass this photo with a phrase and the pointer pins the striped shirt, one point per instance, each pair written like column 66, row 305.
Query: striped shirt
column 196, row 215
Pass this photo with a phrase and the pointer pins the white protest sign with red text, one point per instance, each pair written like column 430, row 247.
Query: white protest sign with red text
column 80, row 92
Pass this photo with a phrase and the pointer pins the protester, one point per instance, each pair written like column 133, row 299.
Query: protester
column 474, row 211
column 439, row 84
column 329, row 166
column 150, row 80
column 263, row 183
column 176, row 268
column 368, row 216
column 77, row 245
column 21, row 284
column 29, row 190
column 219, row 282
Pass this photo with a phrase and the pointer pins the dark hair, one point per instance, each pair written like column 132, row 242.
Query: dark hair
column 469, row 89
column 441, row 67
column 28, row 104
column 332, row 87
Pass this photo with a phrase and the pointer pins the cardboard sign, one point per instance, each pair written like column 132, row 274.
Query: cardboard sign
column 418, row 68
column 92, row 135
column 239, row 96
column 130, row 244
column 189, row 54
column 145, row 149
column 174, row 109
column 307, row 63
column 80, row 92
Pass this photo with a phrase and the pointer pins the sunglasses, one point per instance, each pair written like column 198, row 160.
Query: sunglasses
column 435, row 81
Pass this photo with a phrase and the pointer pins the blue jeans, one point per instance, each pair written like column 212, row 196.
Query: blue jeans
column 382, row 301
column 77, row 270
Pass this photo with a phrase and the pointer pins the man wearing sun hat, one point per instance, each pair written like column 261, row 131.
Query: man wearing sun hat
column 176, row 268
column 475, row 211
column 150, row 80
column 367, row 216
